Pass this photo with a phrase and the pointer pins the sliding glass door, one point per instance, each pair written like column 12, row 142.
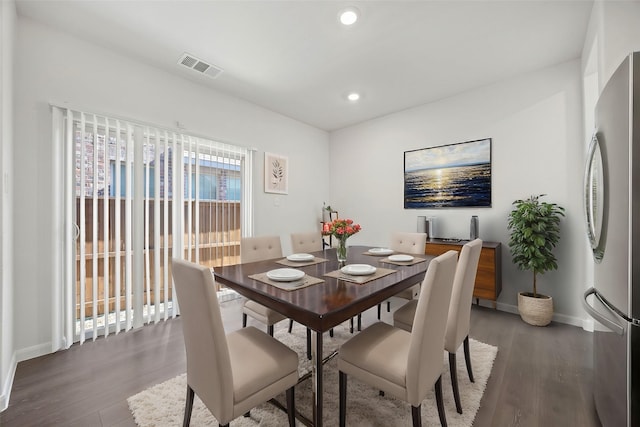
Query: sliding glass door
column 139, row 196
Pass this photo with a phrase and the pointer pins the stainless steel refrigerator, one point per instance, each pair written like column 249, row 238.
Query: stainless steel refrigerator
column 612, row 207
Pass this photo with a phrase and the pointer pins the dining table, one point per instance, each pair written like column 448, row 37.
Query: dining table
column 325, row 297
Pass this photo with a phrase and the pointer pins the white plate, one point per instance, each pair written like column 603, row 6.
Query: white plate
column 358, row 269
column 401, row 258
column 381, row 251
column 285, row 274
column 300, row 257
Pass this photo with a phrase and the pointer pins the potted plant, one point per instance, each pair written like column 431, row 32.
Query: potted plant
column 535, row 232
column 326, row 212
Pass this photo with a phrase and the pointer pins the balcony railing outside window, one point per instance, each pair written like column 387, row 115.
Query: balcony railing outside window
column 219, row 244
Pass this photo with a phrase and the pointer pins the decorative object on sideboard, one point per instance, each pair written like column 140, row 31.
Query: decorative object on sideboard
column 474, row 229
column 422, row 224
column 534, row 228
column 431, row 227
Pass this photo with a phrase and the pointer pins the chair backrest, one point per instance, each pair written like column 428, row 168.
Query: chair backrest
column 306, row 242
column 260, row 248
column 462, row 295
column 410, row 243
column 424, row 364
column 208, row 363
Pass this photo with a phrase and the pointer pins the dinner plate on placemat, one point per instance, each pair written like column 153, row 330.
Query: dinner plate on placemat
column 300, row 257
column 380, row 251
column 358, row 269
column 285, row 274
column 401, row 258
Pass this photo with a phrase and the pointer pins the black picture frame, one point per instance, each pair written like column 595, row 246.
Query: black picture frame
column 448, row 176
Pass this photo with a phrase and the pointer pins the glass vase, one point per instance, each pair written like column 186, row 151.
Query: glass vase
column 341, row 251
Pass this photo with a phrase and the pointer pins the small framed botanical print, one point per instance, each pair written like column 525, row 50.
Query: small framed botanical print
column 276, row 173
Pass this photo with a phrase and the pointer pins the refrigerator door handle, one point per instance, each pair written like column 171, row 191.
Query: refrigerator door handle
column 615, row 327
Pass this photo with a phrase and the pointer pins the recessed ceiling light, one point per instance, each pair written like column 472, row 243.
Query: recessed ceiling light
column 348, row 16
column 353, row 96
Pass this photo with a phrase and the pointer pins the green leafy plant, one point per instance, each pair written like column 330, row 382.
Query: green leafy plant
column 535, row 232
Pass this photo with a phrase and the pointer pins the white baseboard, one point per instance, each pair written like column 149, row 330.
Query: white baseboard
column 588, row 325
column 34, row 351
column 5, row 392
column 17, row 357
column 585, row 324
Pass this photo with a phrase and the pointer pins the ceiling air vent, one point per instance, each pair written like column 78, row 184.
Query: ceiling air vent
column 199, row 65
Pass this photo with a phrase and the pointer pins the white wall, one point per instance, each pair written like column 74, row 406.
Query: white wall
column 612, row 34
column 535, row 122
column 54, row 67
column 7, row 40
column 617, row 26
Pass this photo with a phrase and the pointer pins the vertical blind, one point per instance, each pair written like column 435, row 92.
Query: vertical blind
column 140, row 196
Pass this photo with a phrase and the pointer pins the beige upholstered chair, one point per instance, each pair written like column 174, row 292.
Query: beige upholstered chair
column 408, row 243
column 303, row 243
column 405, row 364
column 459, row 313
column 306, row 242
column 257, row 249
column 230, row 373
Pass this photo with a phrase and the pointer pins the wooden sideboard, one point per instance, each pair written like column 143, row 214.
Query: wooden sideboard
column 489, row 276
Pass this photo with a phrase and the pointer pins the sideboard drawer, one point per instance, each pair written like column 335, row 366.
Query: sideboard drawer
column 489, row 276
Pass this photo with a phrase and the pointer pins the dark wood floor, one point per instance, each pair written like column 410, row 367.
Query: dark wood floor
column 541, row 376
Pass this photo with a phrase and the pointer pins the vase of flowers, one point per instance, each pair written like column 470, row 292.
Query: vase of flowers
column 341, row 250
column 341, row 229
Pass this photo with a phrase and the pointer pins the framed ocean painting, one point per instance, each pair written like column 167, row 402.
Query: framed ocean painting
column 448, row 176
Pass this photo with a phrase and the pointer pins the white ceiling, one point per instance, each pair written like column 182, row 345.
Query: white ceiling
column 293, row 57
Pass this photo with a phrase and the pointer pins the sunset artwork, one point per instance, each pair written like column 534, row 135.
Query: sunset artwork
column 454, row 175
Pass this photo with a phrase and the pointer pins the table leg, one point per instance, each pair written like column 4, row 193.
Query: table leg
column 316, row 377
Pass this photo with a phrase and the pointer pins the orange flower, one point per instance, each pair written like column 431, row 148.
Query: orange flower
column 340, row 228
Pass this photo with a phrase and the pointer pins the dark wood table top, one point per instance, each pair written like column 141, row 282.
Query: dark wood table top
column 325, row 305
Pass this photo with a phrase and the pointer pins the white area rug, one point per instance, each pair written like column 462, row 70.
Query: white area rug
column 163, row 404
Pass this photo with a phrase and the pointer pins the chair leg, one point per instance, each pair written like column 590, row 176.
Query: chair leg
column 388, row 306
column 308, row 343
column 467, row 358
column 359, row 322
column 291, row 406
column 454, row 381
column 290, row 325
column 416, row 416
column 379, row 310
column 342, row 387
column 270, row 330
column 247, row 414
column 244, row 320
column 188, row 406
column 440, row 403
column 331, row 332
column 351, row 325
